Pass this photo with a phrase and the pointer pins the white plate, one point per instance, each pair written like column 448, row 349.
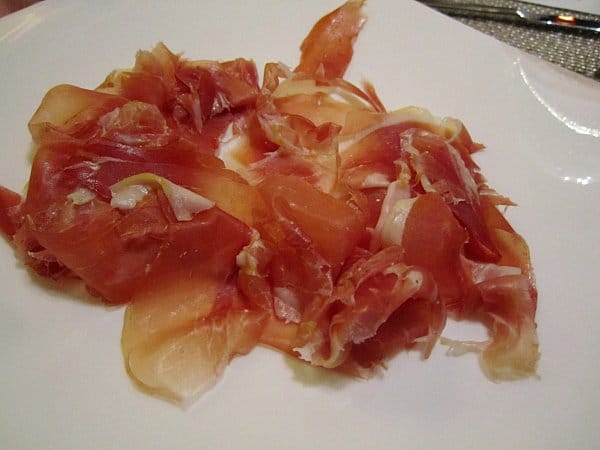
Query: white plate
column 63, row 384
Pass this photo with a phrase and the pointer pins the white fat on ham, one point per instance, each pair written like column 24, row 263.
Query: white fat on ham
column 229, row 143
column 363, row 124
column 453, row 127
column 127, row 196
column 81, row 196
column 232, row 150
column 184, row 203
column 246, row 259
column 481, row 272
column 394, row 211
column 320, row 102
column 288, row 88
column 286, row 305
column 374, row 180
column 457, row 347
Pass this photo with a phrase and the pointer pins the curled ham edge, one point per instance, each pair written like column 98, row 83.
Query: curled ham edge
column 184, row 203
column 521, row 360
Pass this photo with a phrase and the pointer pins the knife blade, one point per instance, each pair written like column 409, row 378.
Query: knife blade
column 565, row 21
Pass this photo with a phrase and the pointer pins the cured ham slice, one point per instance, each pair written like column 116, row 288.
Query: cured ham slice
column 340, row 331
column 296, row 257
column 327, row 50
column 9, row 208
column 177, row 341
column 299, row 214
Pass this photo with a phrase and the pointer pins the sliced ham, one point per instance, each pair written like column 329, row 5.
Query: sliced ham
column 299, row 215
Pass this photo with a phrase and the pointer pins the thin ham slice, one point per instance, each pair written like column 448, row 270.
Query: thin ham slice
column 9, row 211
column 340, row 331
column 328, row 48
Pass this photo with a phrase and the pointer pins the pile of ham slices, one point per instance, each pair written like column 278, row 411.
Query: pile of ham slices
column 298, row 214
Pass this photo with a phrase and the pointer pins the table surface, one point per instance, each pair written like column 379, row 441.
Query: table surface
column 574, row 50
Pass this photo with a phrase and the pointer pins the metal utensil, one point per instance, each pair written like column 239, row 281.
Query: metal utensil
column 518, row 15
